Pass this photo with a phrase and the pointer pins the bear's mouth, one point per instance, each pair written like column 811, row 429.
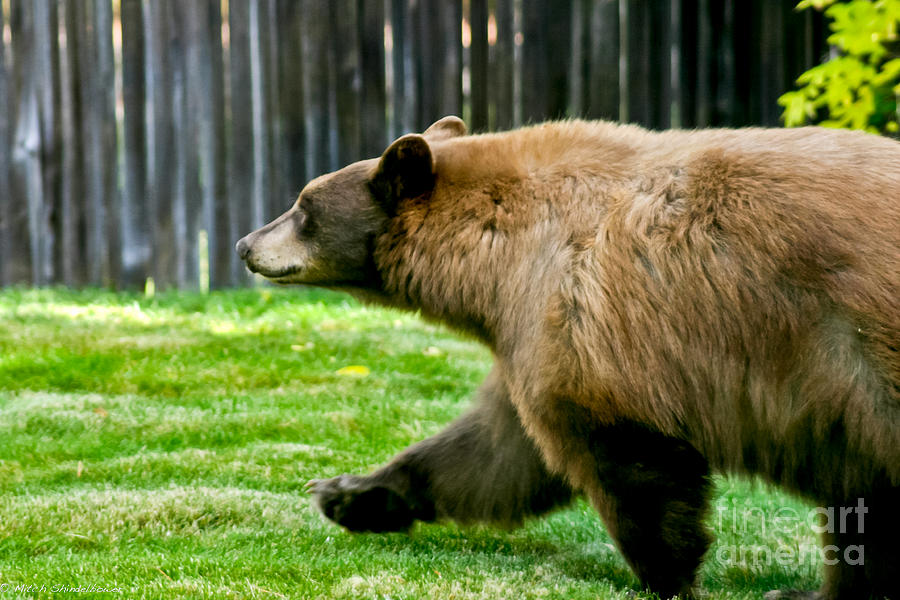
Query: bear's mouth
column 280, row 275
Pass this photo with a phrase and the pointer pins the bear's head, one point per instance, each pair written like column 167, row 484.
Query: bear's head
column 327, row 237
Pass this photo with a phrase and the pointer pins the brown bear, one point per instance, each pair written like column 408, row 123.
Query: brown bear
column 660, row 306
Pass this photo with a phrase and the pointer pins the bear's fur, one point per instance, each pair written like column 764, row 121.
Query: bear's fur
column 660, row 306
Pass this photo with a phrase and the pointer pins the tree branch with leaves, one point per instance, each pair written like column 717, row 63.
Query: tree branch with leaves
column 858, row 88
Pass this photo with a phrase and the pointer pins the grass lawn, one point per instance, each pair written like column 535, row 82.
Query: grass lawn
column 161, row 445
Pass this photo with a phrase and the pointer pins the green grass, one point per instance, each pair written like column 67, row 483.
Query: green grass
column 161, row 445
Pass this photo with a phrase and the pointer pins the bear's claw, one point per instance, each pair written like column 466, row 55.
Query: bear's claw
column 359, row 505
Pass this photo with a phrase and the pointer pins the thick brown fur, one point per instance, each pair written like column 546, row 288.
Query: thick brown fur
column 660, row 306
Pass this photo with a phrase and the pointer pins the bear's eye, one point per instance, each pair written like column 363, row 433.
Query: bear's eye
column 304, row 222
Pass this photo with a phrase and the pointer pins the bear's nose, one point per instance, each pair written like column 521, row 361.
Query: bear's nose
column 242, row 248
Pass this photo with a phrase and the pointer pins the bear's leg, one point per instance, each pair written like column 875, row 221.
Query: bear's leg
column 481, row 468
column 861, row 552
column 882, row 541
column 653, row 493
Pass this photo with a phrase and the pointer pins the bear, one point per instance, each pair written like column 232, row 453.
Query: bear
column 660, row 306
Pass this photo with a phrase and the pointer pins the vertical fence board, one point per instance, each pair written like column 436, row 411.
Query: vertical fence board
column 47, row 80
column 259, row 110
column 557, row 50
column 315, row 88
column 71, row 245
column 437, row 51
column 675, row 108
column 534, row 69
column 420, row 46
column 183, row 221
column 373, row 101
column 221, row 244
column 639, row 66
column 426, row 53
column 97, row 248
column 450, row 25
column 478, row 18
column 502, row 67
column 578, row 31
column 741, row 20
column 602, row 95
column 348, row 55
column 545, row 86
column 687, row 59
column 6, row 199
column 240, row 154
column 135, row 214
column 291, row 108
column 277, row 193
column 400, row 120
column 659, row 54
column 705, row 66
column 26, row 169
column 205, row 101
column 726, row 80
column 161, row 141
column 775, row 60
column 103, row 113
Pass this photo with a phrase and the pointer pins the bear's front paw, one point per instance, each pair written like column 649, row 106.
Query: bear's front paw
column 360, row 505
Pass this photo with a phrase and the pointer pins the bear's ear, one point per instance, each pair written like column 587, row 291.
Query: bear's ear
column 406, row 170
column 446, row 128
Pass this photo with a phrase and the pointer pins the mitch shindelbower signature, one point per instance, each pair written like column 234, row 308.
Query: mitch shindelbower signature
column 58, row 588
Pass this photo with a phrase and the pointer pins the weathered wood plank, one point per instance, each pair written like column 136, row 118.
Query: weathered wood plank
column 535, row 69
column 401, row 118
column 478, row 19
column 135, row 209
column 315, row 88
column 639, row 75
column 46, row 61
column 545, row 59
column 206, row 102
column 259, row 110
column 159, row 29
column 578, row 58
column 6, row 199
column 722, row 14
column 73, row 259
column 603, row 84
column 290, row 100
column 103, row 188
column 277, row 194
column 240, row 154
column 660, row 37
column 373, row 99
column 186, row 208
column 437, row 52
column 345, row 26
column 27, row 180
column 502, row 67
column 688, row 57
column 706, row 63
column 447, row 27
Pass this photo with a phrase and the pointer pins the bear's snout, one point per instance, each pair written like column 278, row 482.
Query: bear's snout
column 242, row 248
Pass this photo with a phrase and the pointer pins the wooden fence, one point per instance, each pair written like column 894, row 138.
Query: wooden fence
column 141, row 138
